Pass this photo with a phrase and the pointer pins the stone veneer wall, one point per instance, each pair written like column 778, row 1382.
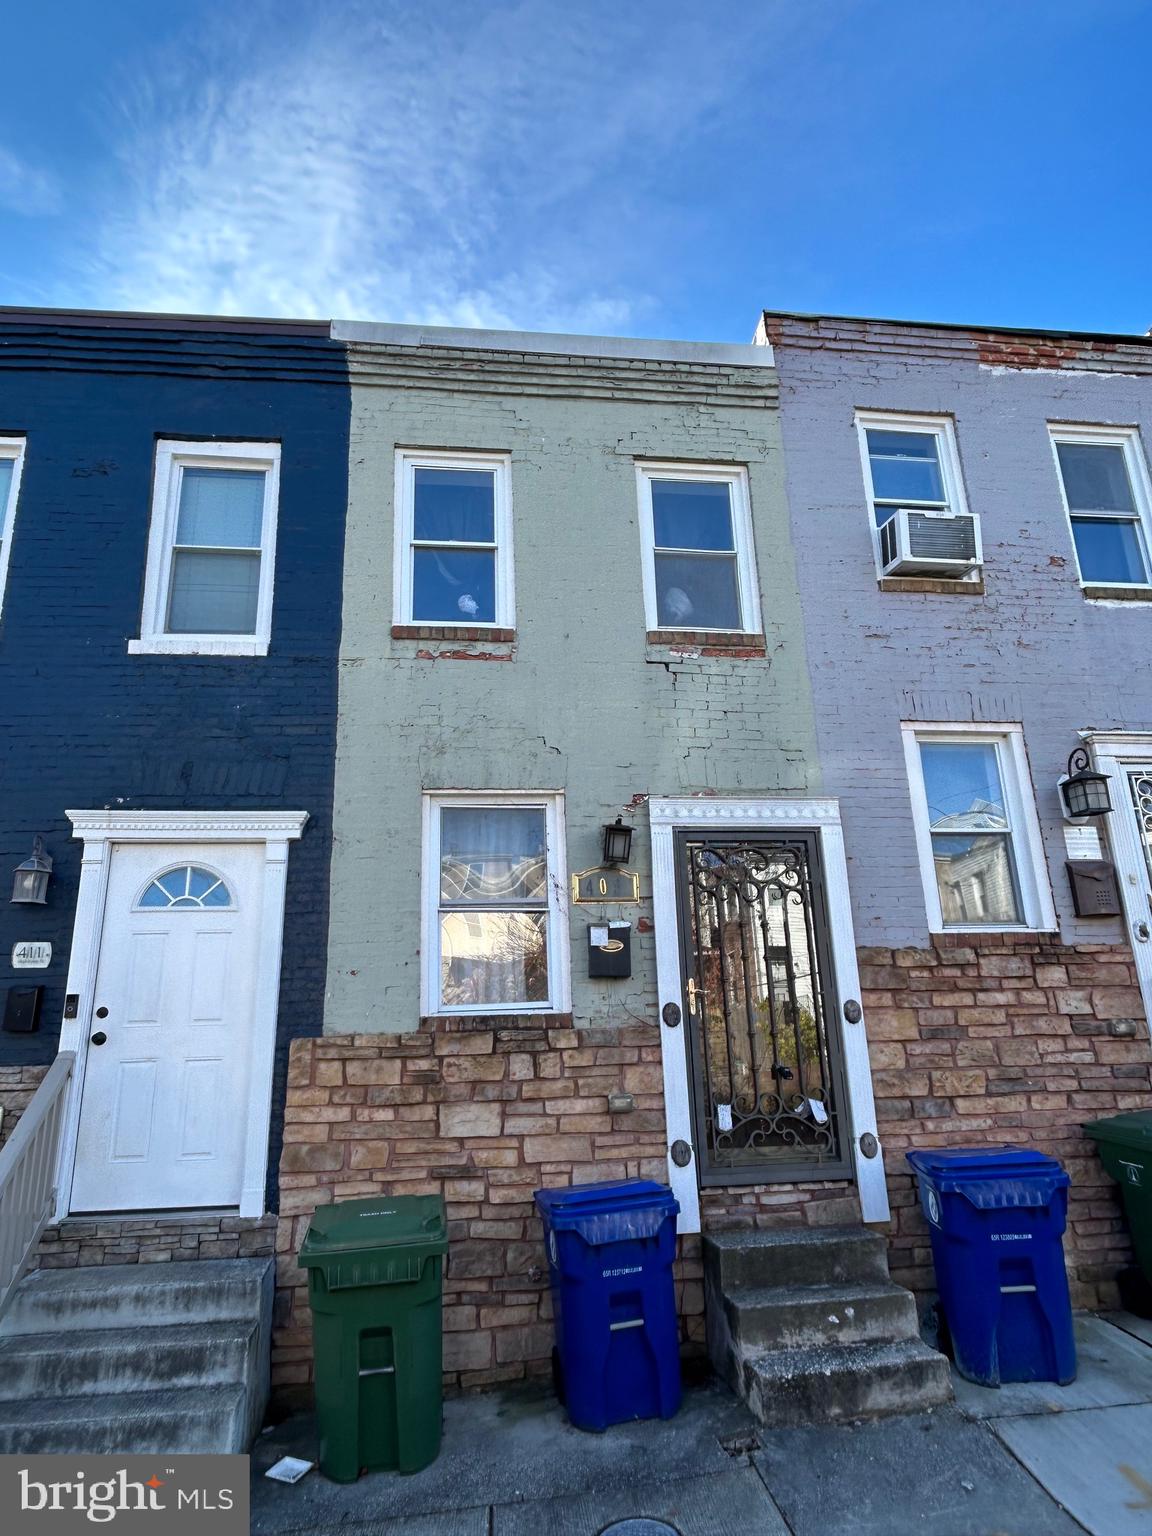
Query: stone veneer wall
column 1007, row 1038
column 17, row 1085
column 486, row 1112
column 82, row 1241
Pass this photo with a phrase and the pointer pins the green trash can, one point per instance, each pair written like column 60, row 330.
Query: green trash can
column 375, row 1286
column 1125, row 1146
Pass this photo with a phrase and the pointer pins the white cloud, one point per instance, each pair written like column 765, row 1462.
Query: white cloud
column 444, row 164
column 26, row 189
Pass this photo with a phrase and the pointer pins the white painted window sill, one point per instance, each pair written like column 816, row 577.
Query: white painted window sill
column 198, row 645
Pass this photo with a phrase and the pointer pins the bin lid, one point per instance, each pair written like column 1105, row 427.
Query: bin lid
column 611, row 1212
column 1132, row 1129
column 389, row 1222
column 991, row 1178
column 979, row 1161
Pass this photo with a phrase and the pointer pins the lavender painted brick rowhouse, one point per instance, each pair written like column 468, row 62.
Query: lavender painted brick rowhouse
column 981, row 1031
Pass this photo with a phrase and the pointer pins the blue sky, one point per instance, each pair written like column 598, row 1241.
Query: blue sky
column 655, row 167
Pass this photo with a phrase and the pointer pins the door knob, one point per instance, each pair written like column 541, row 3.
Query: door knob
column 99, row 1037
column 101, row 1013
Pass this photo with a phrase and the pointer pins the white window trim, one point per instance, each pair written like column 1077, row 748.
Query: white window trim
column 172, row 457
column 943, row 429
column 11, row 448
column 1027, row 841
column 733, row 475
column 667, row 816
column 559, row 942
column 408, row 461
column 1127, row 439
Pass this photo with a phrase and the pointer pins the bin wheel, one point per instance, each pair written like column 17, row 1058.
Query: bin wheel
column 557, row 1374
column 944, row 1334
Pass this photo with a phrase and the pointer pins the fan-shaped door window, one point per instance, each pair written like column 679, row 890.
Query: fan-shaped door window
column 186, row 886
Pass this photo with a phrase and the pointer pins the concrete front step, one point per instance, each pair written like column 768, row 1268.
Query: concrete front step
column 177, row 1421
column 813, row 1316
column 795, row 1256
column 127, row 1295
column 141, row 1359
column 792, row 1387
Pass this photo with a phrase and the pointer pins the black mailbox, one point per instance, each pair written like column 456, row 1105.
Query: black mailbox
column 1094, row 889
column 22, row 1010
column 610, row 949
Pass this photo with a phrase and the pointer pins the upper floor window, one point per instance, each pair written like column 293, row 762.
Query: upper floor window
column 699, row 564
column 910, row 463
column 11, row 465
column 454, row 539
column 977, row 834
column 1104, row 480
column 495, row 918
column 211, row 549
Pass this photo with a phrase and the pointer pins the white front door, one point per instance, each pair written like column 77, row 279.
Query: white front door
column 164, row 1102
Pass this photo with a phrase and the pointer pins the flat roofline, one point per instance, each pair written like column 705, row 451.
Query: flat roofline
column 554, row 343
column 134, row 319
column 1128, row 338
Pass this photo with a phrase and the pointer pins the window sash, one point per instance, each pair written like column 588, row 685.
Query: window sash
column 741, row 556
column 407, row 544
column 551, row 908
column 1127, row 440
column 173, row 458
column 922, row 502
column 1027, row 859
column 942, row 431
column 11, row 453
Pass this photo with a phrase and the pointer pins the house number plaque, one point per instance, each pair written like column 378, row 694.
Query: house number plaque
column 607, row 883
column 31, row 955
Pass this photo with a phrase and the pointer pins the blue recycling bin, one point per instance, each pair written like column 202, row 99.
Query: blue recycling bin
column 997, row 1218
column 611, row 1248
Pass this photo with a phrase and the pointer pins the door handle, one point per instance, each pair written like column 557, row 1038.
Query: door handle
column 99, row 1037
column 693, row 993
column 1142, row 932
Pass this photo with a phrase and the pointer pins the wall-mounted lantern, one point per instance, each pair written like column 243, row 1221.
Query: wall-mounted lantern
column 617, row 842
column 31, row 883
column 1085, row 791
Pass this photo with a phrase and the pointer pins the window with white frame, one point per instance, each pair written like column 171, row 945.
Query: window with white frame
column 454, row 539
column 909, row 461
column 495, row 906
column 977, row 834
column 699, row 562
column 1104, row 481
column 211, row 549
column 11, row 465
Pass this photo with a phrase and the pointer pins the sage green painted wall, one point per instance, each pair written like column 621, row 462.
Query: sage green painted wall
column 584, row 706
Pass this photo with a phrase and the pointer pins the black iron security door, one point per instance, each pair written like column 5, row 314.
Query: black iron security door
column 767, row 1081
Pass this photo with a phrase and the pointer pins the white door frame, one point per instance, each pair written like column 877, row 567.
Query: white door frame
column 100, row 830
column 667, row 816
column 1115, row 753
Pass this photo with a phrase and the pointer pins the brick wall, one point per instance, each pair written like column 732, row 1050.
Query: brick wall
column 1007, row 1038
column 88, row 725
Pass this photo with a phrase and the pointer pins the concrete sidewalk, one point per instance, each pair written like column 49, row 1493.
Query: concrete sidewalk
column 1025, row 1461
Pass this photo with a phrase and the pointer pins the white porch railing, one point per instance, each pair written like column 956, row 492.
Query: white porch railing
column 28, row 1175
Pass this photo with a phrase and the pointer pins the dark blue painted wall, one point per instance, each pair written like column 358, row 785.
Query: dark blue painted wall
column 86, row 725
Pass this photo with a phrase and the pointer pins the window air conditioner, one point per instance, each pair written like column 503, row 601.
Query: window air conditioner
column 918, row 543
